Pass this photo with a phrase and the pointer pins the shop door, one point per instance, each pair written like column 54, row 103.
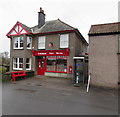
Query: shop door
column 41, row 67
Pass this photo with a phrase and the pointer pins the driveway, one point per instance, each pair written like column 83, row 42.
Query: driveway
column 56, row 96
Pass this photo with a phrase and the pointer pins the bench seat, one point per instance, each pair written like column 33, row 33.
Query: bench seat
column 17, row 74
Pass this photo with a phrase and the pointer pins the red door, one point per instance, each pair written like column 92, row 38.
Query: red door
column 41, row 66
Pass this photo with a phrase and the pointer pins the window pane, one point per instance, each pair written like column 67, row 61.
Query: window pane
column 51, row 65
column 21, row 44
column 29, row 42
column 61, row 65
column 21, row 39
column 27, row 66
column 41, row 42
column 16, row 45
column 64, row 41
column 28, row 63
column 20, row 65
column 27, row 60
column 15, row 39
column 15, row 60
column 16, row 42
column 15, row 65
column 20, row 60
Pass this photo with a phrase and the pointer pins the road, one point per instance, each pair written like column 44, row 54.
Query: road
column 52, row 96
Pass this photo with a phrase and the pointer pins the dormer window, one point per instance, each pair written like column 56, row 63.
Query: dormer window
column 18, row 42
column 29, row 42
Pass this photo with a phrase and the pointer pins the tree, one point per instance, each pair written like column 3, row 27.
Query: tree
column 4, row 59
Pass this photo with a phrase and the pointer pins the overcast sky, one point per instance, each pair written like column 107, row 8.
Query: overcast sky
column 80, row 14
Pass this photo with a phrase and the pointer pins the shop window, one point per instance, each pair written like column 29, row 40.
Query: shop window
column 56, row 64
column 28, row 63
column 17, row 63
column 51, row 65
column 41, row 42
column 29, row 42
column 18, row 42
column 64, row 40
column 61, row 65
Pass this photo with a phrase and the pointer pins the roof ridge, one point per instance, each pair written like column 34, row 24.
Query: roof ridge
column 106, row 24
column 45, row 22
column 23, row 24
column 66, row 24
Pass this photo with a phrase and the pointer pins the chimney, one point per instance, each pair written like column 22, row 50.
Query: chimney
column 41, row 18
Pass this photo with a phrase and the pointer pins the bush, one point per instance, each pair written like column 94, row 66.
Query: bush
column 6, row 77
column 3, row 69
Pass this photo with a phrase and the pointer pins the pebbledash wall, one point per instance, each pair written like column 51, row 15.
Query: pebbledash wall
column 47, row 48
column 104, row 54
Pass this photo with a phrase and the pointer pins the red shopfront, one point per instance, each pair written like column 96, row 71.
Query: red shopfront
column 55, row 61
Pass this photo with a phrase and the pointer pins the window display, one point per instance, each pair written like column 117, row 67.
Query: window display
column 57, row 64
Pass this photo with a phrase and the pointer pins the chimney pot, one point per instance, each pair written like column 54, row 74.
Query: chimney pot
column 41, row 18
column 41, row 10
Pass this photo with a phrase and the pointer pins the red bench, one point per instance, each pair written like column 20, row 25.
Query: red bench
column 18, row 74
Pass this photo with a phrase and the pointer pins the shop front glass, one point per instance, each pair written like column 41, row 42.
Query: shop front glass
column 56, row 64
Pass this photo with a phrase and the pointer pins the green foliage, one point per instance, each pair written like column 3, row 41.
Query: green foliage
column 2, row 69
column 6, row 77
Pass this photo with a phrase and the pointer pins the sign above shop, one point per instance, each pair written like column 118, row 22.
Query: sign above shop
column 51, row 52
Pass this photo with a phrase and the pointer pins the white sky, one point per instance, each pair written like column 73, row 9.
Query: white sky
column 80, row 14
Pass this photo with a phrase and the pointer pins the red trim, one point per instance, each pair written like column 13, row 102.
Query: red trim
column 56, row 71
column 21, row 30
column 51, row 52
column 15, row 30
column 18, row 28
column 18, row 33
column 24, row 29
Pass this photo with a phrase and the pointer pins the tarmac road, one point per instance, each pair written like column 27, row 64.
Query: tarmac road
column 53, row 96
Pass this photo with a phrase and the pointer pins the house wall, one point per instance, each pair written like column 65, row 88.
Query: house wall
column 75, row 45
column 119, row 68
column 55, row 39
column 103, row 60
column 20, row 53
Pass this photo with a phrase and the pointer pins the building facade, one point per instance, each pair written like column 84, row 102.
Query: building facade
column 47, row 48
column 104, row 54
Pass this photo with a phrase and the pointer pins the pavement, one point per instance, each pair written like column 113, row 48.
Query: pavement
column 56, row 96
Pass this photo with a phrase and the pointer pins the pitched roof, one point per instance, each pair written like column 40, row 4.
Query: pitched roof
column 105, row 28
column 52, row 26
column 26, row 27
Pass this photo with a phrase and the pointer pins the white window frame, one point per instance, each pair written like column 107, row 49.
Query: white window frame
column 29, row 64
column 30, row 42
column 41, row 41
column 64, row 40
column 18, row 64
column 18, row 41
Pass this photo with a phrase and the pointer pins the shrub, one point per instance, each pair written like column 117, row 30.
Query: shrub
column 3, row 69
column 6, row 77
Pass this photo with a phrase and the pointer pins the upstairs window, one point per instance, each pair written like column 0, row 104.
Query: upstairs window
column 64, row 40
column 17, row 63
column 41, row 42
column 18, row 42
column 29, row 42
